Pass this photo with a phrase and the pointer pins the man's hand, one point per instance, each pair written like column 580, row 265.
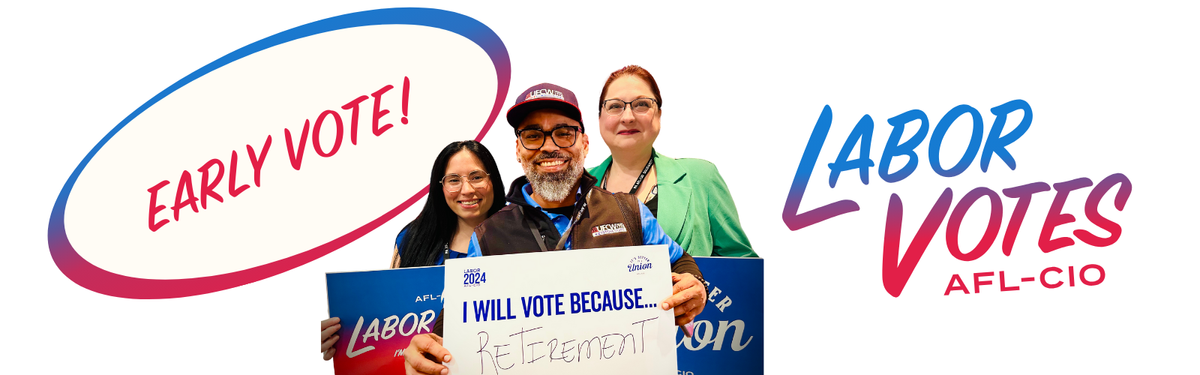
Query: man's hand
column 421, row 356
column 329, row 328
column 688, row 299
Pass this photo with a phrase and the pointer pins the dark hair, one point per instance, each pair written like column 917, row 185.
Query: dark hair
column 636, row 71
column 433, row 229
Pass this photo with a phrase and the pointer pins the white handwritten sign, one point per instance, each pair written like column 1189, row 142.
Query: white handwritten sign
column 583, row 311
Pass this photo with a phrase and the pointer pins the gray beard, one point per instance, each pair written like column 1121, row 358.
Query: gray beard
column 553, row 186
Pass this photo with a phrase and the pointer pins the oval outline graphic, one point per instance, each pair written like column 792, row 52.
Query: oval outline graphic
column 98, row 280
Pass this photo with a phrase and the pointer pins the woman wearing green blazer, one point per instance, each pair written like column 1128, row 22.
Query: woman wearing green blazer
column 688, row 196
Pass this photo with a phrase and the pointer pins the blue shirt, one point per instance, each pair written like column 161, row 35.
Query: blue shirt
column 440, row 261
column 652, row 233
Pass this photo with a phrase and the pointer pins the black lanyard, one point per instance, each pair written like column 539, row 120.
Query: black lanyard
column 636, row 184
column 645, row 171
column 562, row 241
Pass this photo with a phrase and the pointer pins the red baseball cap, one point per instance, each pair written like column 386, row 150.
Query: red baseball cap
column 544, row 95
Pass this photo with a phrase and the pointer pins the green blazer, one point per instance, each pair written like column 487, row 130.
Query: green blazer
column 695, row 208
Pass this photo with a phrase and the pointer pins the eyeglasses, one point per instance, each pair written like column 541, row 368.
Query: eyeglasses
column 641, row 106
column 453, row 182
column 533, row 139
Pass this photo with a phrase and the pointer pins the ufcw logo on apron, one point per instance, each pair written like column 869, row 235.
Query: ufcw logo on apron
column 604, row 229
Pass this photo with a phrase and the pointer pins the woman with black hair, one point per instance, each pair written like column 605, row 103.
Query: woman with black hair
column 464, row 189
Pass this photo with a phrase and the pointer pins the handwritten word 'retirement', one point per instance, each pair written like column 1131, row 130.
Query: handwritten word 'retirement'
column 605, row 346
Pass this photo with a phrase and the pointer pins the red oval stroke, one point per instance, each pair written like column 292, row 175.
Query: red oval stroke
column 101, row 281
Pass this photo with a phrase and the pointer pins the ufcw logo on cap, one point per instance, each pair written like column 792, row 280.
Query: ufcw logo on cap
column 604, row 229
column 545, row 93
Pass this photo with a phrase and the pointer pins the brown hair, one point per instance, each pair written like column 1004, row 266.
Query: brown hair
column 631, row 70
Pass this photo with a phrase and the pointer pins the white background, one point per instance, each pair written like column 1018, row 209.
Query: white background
column 1112, row 87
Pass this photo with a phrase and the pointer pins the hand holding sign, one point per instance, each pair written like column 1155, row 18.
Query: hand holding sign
column 421, row 354
column 329, row 328
column 687, row 298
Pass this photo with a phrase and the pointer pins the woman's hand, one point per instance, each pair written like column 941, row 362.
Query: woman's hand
column 688, row 299
column 422, row 354
column 329, row 328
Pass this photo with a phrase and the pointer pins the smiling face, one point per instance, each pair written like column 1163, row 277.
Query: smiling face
column 629, row 132
column 470, row 203
column 552, row 170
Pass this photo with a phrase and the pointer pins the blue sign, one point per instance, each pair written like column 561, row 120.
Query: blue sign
column 381, row 311
column 728, row 336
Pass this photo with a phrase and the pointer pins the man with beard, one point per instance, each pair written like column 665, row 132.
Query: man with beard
column 556, row 206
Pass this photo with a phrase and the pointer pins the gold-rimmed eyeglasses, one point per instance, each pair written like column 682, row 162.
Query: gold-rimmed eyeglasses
column 641, row 106
column 453, row 182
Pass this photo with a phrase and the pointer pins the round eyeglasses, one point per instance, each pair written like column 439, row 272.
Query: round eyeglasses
column 563, row 136
column 641, row 106
column 453, row 182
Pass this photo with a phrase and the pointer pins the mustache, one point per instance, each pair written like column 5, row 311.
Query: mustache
column 551, row 155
